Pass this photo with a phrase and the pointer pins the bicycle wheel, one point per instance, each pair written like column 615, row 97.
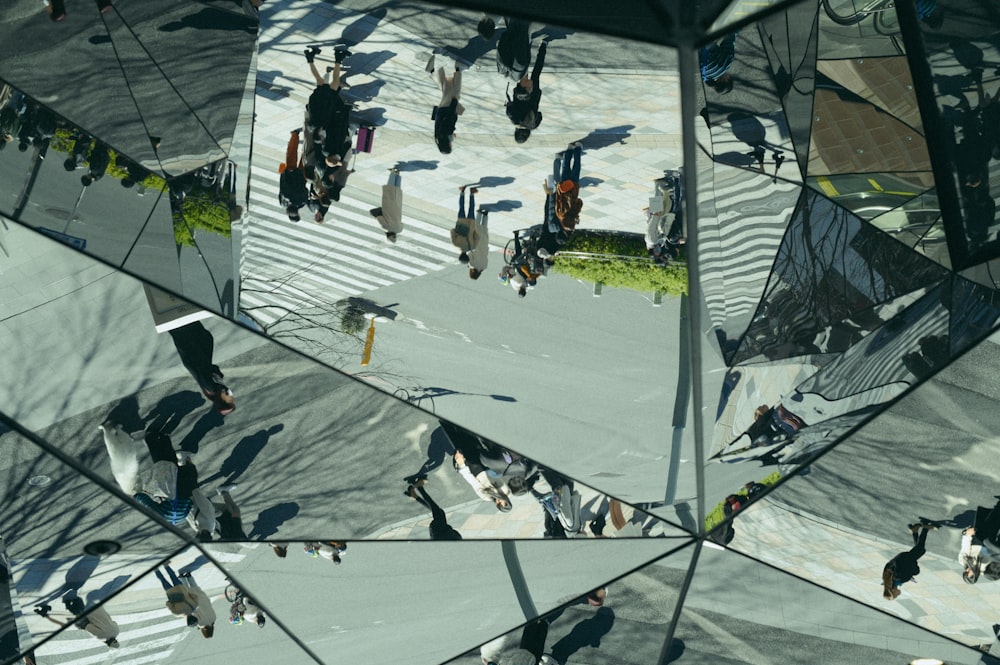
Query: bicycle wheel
column 232, row 593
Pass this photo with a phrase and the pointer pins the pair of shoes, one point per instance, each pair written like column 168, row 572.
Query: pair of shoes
column 419, row 482
column 341, row 54
column 312, row 52
column 375, row 212
column 43, row 609
column 913, row 527
column 410, row 492
column 228, row 489
column 183, row 456
column 474, row 190
column 462, row 188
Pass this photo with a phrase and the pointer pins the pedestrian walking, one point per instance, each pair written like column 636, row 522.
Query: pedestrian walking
column 97, row 621
column 448, row 109
column 390, row 214
column 479, row 255
column 566, row 170
column 181, row 600
column 331, row 550
column 195, row 345
column 974, row 557
column 439, row 527
column 171, row 487
column 294, row 174
column 514, row 49
column 470, row 467
column 715, row 60
column 203, row 613
column 529, row 651
column 522, row 105
column 97, row 163
column 329, row 120
column 464, row 235
column 903, row 567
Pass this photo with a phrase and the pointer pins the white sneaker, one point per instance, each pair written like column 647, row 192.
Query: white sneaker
column 228, row 489
column 183, row 456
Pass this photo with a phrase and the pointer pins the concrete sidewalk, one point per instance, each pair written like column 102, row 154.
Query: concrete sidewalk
column 850, row 562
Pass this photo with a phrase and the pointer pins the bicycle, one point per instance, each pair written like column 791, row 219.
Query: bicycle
column 883, row 13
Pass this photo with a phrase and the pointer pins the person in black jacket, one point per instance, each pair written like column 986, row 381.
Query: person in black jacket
column 522, row 106
column 447, row 111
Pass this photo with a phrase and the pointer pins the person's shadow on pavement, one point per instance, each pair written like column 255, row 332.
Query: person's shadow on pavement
column 243, row 455
column 586, row 633
column 269, row 519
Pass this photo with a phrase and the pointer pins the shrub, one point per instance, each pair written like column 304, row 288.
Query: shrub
column 626, row 266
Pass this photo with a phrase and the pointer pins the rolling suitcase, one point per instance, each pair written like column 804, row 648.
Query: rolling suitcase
column 366, row 137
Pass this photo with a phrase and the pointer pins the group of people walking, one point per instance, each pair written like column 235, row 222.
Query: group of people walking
column 974, row 556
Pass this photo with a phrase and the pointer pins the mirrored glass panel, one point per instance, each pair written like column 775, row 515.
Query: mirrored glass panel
column 207, row 424
column 820, row 525
column 625, row 620
column 739, row 610
column 77, row 189
column 67, row 543
column 375, row 225
column 962, row 52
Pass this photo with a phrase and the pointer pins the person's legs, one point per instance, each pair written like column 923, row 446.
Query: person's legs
column 536, row 71
column 320, row 80
column 442, row 80
column 163, row 581
column 160, row 448
column 461, row 203
column 230, row 504
column 456, row 83
column 187, row 480
column 533, row 637
column 565, row 171
column 918, row 550
column 335, row 79
column 472, row 202
column 436, row 511
column 173, row 576
column 395, row 180
column 576, row 153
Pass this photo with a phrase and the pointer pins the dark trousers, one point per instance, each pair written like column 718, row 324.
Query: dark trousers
column 195, row 346
column 439, row 527
column 571, row 164
column 163, row 581
column 988, row 523
column 533, row 637
column 161, row 450
column 461, row 205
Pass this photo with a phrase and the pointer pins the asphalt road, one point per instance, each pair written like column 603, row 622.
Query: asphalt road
column 507, row 363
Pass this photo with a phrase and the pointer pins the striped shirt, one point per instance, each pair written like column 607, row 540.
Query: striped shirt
column 172, row 510
column 716, row 59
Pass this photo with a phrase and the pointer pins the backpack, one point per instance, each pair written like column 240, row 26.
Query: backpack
column 292, row 188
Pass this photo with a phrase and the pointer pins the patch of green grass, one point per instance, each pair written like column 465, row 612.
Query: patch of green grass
column 716, row 516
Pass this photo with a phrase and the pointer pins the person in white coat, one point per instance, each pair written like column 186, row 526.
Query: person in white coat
column 479, row 255
column 390, row 214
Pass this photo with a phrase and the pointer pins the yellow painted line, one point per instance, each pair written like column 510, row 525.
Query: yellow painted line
column 875, row 185
column 827, row 186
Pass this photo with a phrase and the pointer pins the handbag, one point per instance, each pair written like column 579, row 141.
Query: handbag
column 366, row 137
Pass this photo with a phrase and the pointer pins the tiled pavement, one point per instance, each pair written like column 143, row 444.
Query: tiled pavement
column 632, row 144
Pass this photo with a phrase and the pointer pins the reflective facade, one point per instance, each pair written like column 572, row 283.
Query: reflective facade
column 256, row 270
